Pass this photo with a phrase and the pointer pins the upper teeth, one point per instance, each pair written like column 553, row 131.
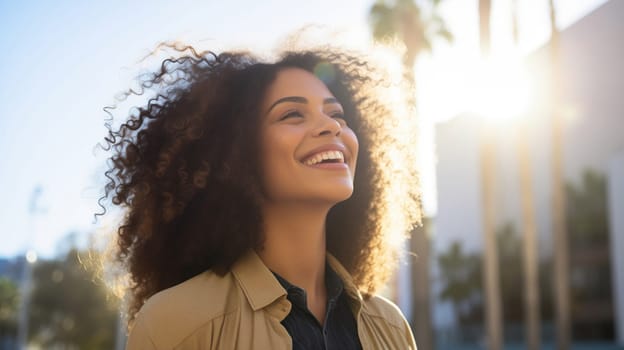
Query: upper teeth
column 319, row 157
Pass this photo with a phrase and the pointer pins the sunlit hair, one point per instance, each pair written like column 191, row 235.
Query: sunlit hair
column 185, row 168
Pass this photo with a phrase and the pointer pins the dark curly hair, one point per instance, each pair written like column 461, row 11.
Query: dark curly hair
column 185, row 168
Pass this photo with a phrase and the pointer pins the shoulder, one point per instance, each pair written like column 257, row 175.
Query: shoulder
column 374, row 306
column 378, row 306
column 171, row 315
column 394, row 330
column 198, row 298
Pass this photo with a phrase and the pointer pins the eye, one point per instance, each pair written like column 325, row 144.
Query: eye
column 291, row 114
column 339, row 115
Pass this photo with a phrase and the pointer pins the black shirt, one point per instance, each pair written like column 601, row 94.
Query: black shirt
column 340, row 328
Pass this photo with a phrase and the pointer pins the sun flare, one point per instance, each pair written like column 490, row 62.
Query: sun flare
column 500, row 90
column 496, row 89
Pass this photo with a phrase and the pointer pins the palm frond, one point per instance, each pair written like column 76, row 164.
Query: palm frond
column 444, row 33
column 382, row 21
column 416, row 27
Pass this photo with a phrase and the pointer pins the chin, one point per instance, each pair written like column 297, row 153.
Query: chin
column 338, row 195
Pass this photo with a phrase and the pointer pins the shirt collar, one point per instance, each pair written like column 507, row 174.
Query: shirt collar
column 333, row 284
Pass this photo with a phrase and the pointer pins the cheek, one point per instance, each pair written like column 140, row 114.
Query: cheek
column 351, row 141
column 276, row 159
column 278, row 147
column 269, row 171
column 268, row 158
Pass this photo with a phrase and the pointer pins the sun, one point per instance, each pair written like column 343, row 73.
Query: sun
column 496, row 89
column 500, row 90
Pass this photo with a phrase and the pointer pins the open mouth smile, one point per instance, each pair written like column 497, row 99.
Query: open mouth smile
column 326, row 157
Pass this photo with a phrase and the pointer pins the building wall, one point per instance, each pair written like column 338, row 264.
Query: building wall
column 459, row 199
column 616, row 223
column 459, row 202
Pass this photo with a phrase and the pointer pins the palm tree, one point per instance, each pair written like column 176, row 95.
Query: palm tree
column 514, row 21
column 420, row 289
column 560, row 239
column 491, row 280
column 485, row 10
column 460, row 273
column 531, row 274
column 406, row 21
column 530, row 248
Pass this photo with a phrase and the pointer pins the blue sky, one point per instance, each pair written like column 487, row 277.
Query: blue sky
column 63, row 61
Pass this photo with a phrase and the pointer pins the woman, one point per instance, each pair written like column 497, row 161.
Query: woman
column 247, row 224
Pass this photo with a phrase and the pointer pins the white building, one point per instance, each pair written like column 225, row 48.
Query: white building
column 616, row 226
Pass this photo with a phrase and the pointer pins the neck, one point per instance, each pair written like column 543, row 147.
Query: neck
column 294, row 244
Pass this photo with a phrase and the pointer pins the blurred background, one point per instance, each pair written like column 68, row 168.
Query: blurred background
column 520, row 146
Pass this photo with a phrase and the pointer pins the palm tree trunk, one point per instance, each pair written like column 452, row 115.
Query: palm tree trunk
column 560, row 239
column 531, row 256
column 418, row 241
column 491, row 281
column 421, row 307
column 485, row 7
column 514, row 22
column 531, row 275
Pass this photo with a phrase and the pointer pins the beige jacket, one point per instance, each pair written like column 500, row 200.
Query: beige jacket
column 243, row 310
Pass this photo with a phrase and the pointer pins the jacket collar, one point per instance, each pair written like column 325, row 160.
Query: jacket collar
column 355, row 297
column 261, row 288
column 259, row 285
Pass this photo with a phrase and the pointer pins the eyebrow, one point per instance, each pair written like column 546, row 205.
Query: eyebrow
column 300, row 99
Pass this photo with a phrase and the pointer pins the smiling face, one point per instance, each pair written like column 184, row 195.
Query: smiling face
column 308, row 152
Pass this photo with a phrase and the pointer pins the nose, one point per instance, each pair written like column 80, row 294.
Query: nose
column 327, row 125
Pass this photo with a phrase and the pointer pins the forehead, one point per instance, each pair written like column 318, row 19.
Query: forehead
column 296, row 82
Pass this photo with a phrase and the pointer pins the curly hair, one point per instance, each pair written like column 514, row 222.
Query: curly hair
column 185, row 168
